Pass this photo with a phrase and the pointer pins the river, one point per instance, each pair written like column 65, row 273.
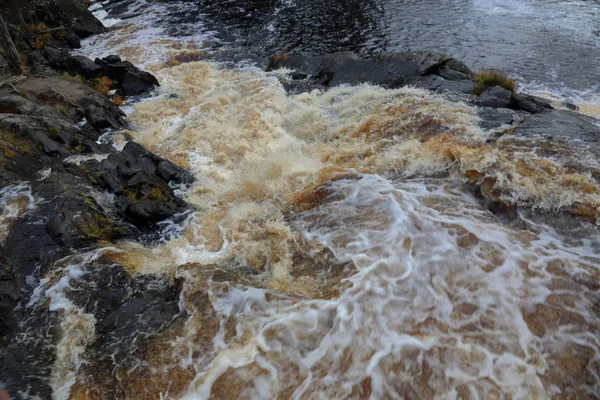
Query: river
column 338, row 248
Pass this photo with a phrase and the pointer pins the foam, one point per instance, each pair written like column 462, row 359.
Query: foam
column 14, row 201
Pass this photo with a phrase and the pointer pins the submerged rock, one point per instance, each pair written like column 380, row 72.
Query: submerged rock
column 125, row 308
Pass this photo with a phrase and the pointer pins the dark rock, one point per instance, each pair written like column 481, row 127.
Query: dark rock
column 50, row 146
column 388, row 69
column 451, row 75
column 59, row 58
column 101, row 118
column 130, row 80
column 495, row 97
column 135, row 83
column 36, row 58
column 140, row 180
column 493, row 118
column 9, row 295
column 14, row 104
column 458, row 66
column 74, row 65
column 172, row 173
column 38, row 129
column 73, row 40
column 126, row 308
column 112, row 59
column 464, row 87
column 576, row 136
column 559, row 123
column 531, row 104
column 570, row 106
column 100, row 113
column 430, row 82
column 72, row 14
column 86, row 67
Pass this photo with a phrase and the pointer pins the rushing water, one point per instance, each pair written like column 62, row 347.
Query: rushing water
column 339, row 247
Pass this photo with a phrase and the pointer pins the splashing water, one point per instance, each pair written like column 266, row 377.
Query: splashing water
column 14, row 201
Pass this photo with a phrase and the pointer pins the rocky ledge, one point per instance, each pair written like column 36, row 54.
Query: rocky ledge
column 76, row 193
column 500, row 106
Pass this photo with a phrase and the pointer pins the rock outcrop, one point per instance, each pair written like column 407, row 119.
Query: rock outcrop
column 42, row 127
column 127, row 79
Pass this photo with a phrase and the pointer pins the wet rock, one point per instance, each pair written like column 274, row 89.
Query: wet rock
column 72, row 14
column 495, row 97
column 75, row 65
column 464, row 87
column 30, row 130
column 388, row 69
column 50, row 146
column 76, row 101
column 86, row 67
column 493, row 118
column 125, row 308
column 73, row 40
column 9, row 295
column 451, row 75
column 58, row 58
column 531, row 104
column 580, row 130
column 99, row 114
column 430, row 82
column 458, row 66
column 14, row 104
column 140, row 179
column 172, row 173
column 130, row 80
column 78, row 221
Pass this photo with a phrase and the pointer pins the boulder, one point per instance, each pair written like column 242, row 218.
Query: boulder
column 127, row 308
column 531, row 104
column 72, row 14
column 140, row 180
column 571, row 139
column 451, row 75
column 86, row 67
column 58, row 58
column 129, row 80
column 99, row 116
column 495, row 97
column 135, row 83
column 74, row 65
column 73, row 40
column 9, row 295
column 388, row 69
column 492, row 118
column 36, row 58
column 550, row 124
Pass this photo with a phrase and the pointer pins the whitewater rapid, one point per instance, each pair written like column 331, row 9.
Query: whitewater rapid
column 341, row 247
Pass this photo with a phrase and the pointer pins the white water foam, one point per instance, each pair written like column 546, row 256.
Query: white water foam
column 14, row 200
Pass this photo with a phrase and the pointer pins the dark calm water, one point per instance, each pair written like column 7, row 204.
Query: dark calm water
column 550, row 42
